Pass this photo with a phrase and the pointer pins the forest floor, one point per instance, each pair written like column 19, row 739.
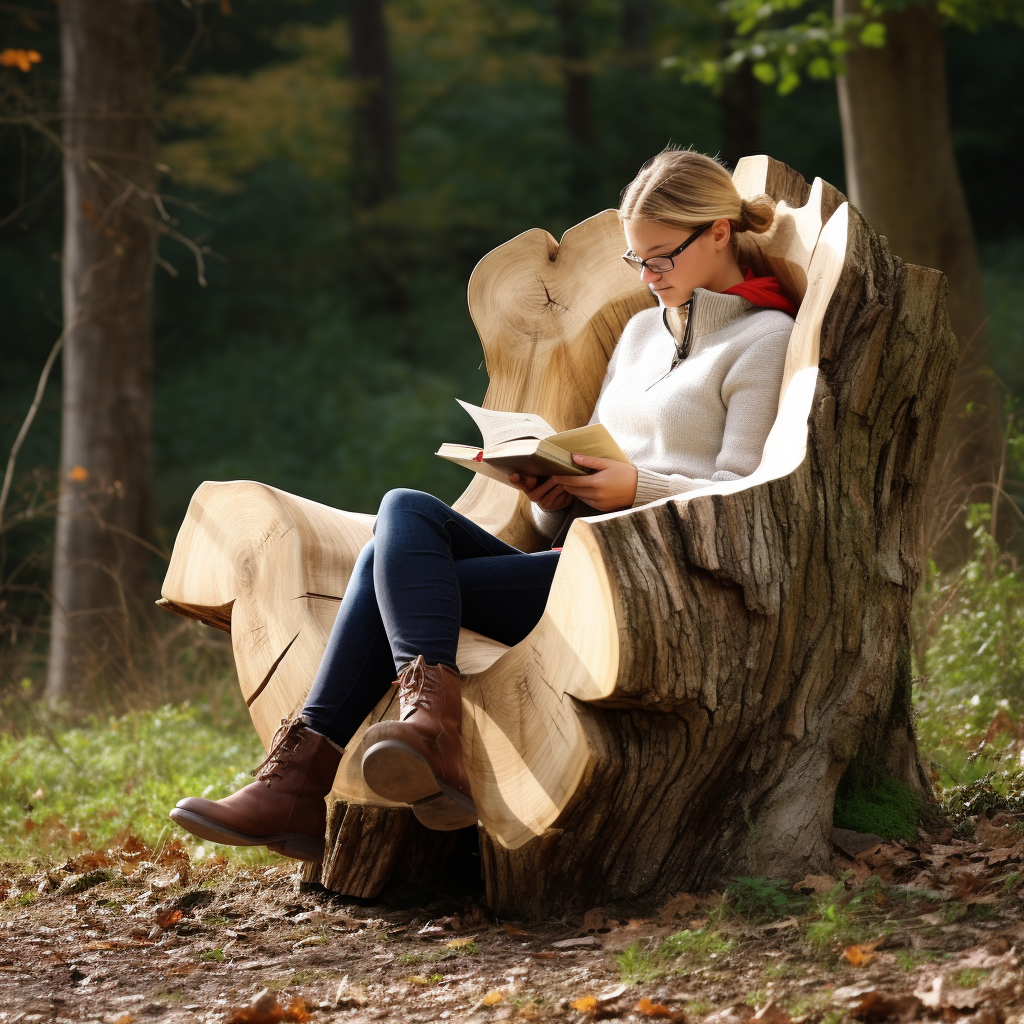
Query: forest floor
column 930, row 930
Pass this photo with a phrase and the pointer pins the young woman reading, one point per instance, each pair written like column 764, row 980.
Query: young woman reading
column 690, row 395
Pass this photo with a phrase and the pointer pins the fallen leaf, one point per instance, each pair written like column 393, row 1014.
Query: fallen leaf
column 881, row 1006
column 517, row 933
column 863, row 953
column 168, row 917
column 28, row 825
column 817, row 884
column 460, row 943
column 492, row 998
column 651, row 1009
column 124, row 1018
column 265, row 1009
column 587, row 942
column 78, row 835
column 584, row 1004
column 771, row 1013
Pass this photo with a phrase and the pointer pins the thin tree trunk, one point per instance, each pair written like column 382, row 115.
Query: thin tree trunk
column 375, row 149
column 578, row 109
column 109, row 56
column 901, row 173
column 740, row 115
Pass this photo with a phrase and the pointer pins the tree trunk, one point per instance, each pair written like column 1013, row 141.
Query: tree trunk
column 375, row 145
column 109, row 58
column 707, row 667
column 578, row 109
column 740, row 115
column 901, row 173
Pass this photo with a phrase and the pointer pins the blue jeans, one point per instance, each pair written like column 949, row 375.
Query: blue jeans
column 426, row 571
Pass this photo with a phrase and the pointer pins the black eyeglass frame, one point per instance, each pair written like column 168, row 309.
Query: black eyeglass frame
column 634, row 261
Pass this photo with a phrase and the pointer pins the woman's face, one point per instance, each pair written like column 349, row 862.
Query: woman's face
column 699, row 265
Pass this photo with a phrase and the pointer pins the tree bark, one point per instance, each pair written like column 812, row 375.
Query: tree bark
column 740, row 115
column 578, row 110
column 901, row 173
column 109, row 59
column 375, row 143
column 707, row 667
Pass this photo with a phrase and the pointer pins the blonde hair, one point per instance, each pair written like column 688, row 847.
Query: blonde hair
column 686, row 189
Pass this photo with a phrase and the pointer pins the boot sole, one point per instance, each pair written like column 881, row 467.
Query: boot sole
column 288, row 844
column 396, row 772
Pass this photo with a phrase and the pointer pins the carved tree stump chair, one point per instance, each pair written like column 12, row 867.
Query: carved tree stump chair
column 707, row 665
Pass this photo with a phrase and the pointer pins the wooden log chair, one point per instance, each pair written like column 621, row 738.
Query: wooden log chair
column 708, row 665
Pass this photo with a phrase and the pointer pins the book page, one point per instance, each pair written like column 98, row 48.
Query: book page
column 590, row 440
column 496, row 427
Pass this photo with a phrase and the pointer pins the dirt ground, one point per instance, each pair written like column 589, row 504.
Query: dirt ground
column 899, row 931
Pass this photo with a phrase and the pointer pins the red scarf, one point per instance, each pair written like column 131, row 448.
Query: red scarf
column 763, row 291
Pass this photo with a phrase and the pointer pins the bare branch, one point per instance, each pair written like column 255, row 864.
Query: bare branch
column 29, row 417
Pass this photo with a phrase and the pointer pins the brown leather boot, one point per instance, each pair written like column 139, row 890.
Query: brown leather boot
column 418, row 759
column 284, row 809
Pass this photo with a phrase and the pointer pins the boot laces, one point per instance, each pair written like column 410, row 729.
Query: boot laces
column 414, row 687
column 286, row 741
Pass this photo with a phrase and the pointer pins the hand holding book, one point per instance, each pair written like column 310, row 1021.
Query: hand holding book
column 609, row 486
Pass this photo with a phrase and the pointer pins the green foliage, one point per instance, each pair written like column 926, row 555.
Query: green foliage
column 888, row 808
column 121, row 774
column 643, row 961
column 697, row 946
column 788, row 41
column 839, row 919
column 970, row 649
column 760, row 900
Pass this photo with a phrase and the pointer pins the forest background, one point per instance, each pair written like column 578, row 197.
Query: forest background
column 326, row 348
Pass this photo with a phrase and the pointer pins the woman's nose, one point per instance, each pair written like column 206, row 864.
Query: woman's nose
column 648, row 276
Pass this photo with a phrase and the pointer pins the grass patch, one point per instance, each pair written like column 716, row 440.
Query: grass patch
column 78, row 788
column 212, row 956
column 644, row 961
column 761, row 900
column 969, row 977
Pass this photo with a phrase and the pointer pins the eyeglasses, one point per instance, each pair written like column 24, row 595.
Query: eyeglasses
column 661, row 264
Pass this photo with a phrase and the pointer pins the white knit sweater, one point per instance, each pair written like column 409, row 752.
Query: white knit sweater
column 708, row 419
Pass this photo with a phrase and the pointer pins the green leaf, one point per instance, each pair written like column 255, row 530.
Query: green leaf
column 873, row 34
column 820, row 67
column 790, row 80
column 764, row 72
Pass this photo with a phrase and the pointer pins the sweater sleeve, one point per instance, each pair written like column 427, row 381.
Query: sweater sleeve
column 750, row 393
column 547, row 523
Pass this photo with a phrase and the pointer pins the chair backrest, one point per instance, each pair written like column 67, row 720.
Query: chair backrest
column 549, row 316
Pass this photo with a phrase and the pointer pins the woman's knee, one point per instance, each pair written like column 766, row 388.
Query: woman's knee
column 406, row 499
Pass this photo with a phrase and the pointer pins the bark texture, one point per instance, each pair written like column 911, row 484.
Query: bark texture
column 772, row 622
column 109, row 60
column 901, row 173
column 706, row 667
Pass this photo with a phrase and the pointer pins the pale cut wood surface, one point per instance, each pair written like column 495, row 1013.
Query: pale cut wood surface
column 676, row 634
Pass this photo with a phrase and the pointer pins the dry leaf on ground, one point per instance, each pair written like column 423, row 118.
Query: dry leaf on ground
column 492, row 998
column 651, row 1009
column 165, row 918
column 585, row 1004
column 817, row 884
column 771, row 1013
column 863, row 953
column 881, row 1006
column 265, row 1009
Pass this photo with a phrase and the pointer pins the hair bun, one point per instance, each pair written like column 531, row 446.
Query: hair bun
column 757, row 214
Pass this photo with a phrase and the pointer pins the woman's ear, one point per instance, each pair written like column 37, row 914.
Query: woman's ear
column 721, row 233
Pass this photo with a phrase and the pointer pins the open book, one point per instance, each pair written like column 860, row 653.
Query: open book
column 524, row 443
